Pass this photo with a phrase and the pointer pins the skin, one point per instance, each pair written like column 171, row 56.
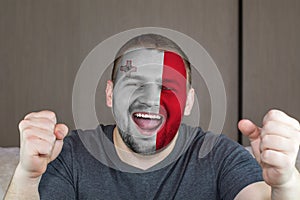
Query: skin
column 275, row 146
column 277, row 157
column 148, row 89
column 41, row 141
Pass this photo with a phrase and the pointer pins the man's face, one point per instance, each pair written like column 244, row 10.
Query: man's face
column 149, row 97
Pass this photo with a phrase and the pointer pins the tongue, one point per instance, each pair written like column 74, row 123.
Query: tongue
column 147, row 124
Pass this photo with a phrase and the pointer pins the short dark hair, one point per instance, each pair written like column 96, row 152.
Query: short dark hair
column 152, row 41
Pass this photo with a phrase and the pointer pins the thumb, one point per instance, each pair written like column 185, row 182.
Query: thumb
column 249, row 129
column 252, row 131
column 60, row 131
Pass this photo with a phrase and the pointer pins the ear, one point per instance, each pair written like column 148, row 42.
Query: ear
column 189, row 102
column 109, row 93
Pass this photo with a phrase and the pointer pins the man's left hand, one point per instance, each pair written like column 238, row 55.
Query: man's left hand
column 275, row 146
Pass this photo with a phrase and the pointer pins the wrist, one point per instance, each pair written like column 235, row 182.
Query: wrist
column 289, row 190
column 24, row 176
column 23, row 186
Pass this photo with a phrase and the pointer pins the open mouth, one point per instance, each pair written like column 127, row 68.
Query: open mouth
column 148, row 123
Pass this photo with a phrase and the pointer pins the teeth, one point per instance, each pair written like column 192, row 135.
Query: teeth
column 148, row 116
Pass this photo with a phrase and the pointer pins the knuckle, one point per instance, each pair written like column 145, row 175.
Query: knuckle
column 294, row 147
column 23, row 123
column 268, row 125
column 297, row 124
column 48, row 123
column 29, row 115
column 263, row 156
column 49, row 149
column 266, row 155
column 50, row 113
column 26, row 132
column 273, row 114
column 52, row 138
column 265, row 139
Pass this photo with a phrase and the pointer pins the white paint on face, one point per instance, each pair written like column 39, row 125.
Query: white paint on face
column 136, row 98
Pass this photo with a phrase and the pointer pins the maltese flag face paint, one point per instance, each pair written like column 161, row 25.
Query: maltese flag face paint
column 149, row 98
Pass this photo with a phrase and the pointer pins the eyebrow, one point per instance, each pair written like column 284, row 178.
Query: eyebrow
column 170, row 81
column 142, row 78
column 159, row 80
column 137, row 77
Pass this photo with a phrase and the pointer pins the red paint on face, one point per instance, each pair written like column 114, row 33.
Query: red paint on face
column 172, row 98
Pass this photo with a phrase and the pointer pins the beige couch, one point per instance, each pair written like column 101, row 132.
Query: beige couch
column 9, row 159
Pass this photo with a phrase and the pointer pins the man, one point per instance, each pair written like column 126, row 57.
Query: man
column 154, row 156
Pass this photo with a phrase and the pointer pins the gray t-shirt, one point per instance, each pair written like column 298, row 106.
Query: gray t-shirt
column 82, row 172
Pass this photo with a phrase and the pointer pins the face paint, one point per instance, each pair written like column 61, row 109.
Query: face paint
column 128, row 68
column 149, row 98
column 173, row 97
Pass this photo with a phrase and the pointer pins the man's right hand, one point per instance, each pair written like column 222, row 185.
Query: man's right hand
column 41, row 142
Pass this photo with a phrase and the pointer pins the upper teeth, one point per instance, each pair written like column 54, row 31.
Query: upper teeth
column 148, row 116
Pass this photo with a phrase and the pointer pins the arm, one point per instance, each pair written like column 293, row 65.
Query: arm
column 275, row 147
column 41, row 142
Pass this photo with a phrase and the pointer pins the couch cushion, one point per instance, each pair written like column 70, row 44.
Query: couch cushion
column 9, row 158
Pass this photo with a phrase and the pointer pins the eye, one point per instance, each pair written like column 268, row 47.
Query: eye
column 131, row 84
column 136, row 84
column 166, row 88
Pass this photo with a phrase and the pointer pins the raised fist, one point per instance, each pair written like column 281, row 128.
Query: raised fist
column 41, row 142
column 275, row 146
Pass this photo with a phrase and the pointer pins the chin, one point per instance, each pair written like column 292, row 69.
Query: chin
column 138, row 145
column 145, row 151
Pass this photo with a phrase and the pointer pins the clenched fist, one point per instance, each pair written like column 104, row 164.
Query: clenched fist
column 275, row 146
column 41, row 142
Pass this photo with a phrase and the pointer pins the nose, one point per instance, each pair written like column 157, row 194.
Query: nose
column 150, row 94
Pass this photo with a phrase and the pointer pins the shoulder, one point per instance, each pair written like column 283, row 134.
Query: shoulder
column 212, row 147
column 75, row 137
column 228, row 161
column 80, row 141
column 207, row 141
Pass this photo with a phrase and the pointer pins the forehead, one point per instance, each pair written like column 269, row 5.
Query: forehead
column 142, row 62
column 149, row 63
column 142, row 56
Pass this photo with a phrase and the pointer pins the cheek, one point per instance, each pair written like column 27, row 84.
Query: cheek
column 121, row 102
column 174, row 69
column 173, row 103
column 122, row 95
column 174, row 100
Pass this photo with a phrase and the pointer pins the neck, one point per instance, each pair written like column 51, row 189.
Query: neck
column 143, row 162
